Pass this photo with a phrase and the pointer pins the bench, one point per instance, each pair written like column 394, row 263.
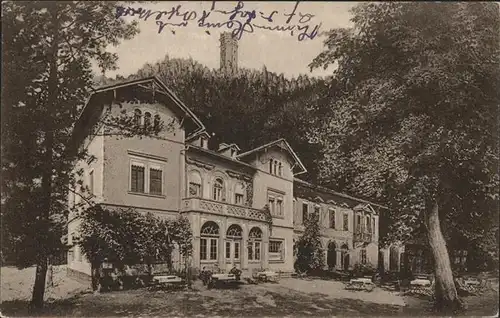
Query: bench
column 168, row 281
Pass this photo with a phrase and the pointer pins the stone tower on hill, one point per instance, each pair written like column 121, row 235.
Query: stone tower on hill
column 228, row 53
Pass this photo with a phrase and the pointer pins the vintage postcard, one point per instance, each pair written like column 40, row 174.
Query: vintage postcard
column 242, row 158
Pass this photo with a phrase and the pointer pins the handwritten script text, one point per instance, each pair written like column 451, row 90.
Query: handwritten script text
column 239, row 20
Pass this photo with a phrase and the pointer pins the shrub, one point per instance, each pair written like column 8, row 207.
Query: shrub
column 127, row 237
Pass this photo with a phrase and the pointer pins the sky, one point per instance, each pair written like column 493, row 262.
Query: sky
column 278, row 51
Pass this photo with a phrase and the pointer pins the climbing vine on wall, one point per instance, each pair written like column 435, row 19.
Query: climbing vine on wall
column 269, row 218
column 125, row 236
column 249, row 191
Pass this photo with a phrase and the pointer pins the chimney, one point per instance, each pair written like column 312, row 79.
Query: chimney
column 228, row 53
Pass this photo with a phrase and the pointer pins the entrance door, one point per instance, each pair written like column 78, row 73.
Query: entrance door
column 233, row 246
column 233, row 253
column 346, row 261
column 331, row 256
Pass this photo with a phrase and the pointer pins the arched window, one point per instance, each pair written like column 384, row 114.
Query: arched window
column 234, row 231
column 255, row 234
column 147, row 119
column 195, row 184
column 137, row 117
column 208, row 241
column 239, row 194
column 156, row 121
column 254, row 244
column 218, row 190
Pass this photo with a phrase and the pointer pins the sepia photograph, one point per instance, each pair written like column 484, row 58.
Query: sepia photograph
column 249, row 159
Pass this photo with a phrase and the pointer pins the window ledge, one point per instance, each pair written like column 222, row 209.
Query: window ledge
column 254, row 261
column 278, row 217
column 160, row 196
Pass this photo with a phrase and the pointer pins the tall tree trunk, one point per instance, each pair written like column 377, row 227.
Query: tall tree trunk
column 95, row 275
column 39, row 287
column 37, row 299
column 446, row 296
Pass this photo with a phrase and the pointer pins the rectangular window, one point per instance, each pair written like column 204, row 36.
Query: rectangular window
column 317, row 211
column 275, row 202
column 368, row 225
column 331, row 214
column 236, row 250
column 271, row 205
column 203, row 249
column 228, row 250
column 71, row 256
column 373, row 225
column 257, row 251
column 305, row 212
column 346, row 222
column 213, row 249
column 276, row 250
column 155, row 181
column 250, row 251
column 137, row 176
column 91, row 182
column 279, row 207
column 275, row 246
column 358, row 223
column 238, row 198
column 194, row 189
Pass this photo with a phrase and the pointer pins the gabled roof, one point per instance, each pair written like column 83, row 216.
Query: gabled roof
column 364, row 207
column 156, row 83
column 283, row 144
column 226, row 146
column 356, row 203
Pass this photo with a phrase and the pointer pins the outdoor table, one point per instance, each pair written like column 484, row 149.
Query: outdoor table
column 224, row 277
column 420, row 286
column 420, row 282
column 361, row 284
column 168, row 280
column 268, row 275
column 216, row 279
column 472, row 282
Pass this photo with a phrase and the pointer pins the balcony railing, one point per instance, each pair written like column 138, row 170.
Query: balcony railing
column 362, row 237
column 221, row 208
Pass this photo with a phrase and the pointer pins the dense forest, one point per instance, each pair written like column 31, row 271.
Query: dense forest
column 252, row 107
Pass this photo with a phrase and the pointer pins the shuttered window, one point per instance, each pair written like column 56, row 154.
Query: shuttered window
column 137, row 179
column 155, row 181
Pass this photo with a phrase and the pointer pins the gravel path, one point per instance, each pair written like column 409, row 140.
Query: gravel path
column 335, row 289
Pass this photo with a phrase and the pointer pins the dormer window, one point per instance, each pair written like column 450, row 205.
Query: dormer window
column 204, row 143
